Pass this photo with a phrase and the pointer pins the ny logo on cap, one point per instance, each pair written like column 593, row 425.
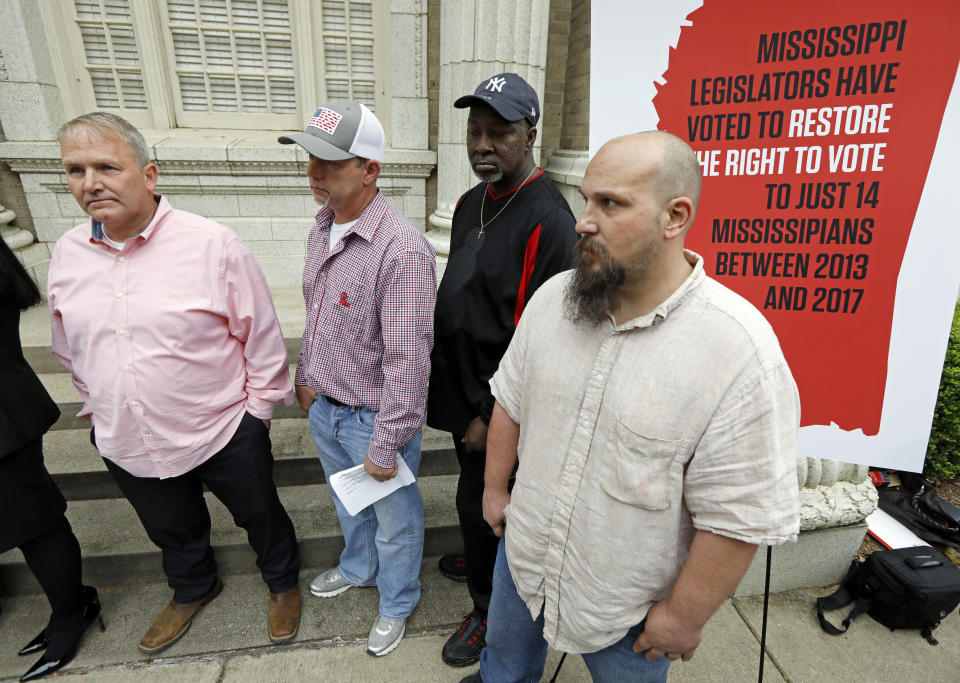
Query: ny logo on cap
column 326, row 120
column 495, row 84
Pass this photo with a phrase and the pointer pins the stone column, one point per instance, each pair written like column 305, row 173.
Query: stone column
column 479, row 38
column 31, row 104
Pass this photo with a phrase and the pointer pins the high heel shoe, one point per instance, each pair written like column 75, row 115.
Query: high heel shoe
column 38, row 644
column 48, row 662
column 88, row 594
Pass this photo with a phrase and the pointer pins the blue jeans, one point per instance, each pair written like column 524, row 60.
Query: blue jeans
column 384, row 542
column 516, row 651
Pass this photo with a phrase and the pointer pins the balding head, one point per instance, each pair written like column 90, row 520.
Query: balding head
column 672, row 162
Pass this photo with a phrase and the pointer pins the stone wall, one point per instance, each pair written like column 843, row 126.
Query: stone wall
column 12, row 195
column 251, row 184
column 16, row 224
column 245, row 180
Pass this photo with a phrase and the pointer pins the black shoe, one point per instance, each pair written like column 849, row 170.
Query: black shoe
column 454, row 567
column 463, row 647
column 41, row 640
column 38, row 644
column 49, row 661
column 472, row 678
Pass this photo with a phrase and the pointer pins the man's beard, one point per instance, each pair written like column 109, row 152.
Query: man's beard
column 591, row 292
column 490, row 176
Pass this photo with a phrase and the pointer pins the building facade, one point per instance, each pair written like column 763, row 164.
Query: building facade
column 212, row 83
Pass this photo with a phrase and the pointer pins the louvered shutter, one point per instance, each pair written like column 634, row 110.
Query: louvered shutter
column 348, row 57
column 110, row 48
column 233, row 55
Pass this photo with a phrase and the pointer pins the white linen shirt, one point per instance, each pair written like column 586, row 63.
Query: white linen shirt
column 631, row 438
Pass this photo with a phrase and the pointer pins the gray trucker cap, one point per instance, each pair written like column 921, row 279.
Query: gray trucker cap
column 341, row 130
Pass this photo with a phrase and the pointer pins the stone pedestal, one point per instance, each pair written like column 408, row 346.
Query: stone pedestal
column 14, row 237
column 34, row 257
column 818, row 558
column 835, row 499
column 479, row 38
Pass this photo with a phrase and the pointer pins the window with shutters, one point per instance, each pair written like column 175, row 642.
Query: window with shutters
column 110, row 51
column 256, row 64
column 231, row 56
column 348, row 51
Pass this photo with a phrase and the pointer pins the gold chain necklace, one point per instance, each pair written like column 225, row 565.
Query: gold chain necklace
column 483, row 202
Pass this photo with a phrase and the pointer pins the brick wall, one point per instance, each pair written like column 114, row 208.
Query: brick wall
column 551, row 124
column 576, row 98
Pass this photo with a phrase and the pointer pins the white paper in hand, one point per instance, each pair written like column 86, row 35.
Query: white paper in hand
column 356, row 489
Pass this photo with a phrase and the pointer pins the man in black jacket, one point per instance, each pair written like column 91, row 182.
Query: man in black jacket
column 511, row 233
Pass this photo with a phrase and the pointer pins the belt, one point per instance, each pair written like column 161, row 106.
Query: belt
column 335, row 402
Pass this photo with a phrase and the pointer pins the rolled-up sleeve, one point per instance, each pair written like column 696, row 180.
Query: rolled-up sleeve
column 253, row 320
column 742, row 479
column 406, row 322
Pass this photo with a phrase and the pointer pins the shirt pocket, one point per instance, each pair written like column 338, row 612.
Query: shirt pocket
column 641, row 470
column 347, row 310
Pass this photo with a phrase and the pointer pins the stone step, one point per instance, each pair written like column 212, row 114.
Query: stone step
column 81, row 475
column 116, row 550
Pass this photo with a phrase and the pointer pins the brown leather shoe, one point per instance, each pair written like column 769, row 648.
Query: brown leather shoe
column 174, row 621
column 284, row 615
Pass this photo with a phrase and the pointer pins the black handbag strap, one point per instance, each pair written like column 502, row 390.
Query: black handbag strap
column 841, row 598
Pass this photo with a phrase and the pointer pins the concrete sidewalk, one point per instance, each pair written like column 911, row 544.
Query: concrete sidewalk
column 228, row 641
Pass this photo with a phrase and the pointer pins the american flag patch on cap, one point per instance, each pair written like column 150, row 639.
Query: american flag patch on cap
column 326, row 120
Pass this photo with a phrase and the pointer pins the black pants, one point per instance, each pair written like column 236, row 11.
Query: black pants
column 176, row 518
column 479, row 541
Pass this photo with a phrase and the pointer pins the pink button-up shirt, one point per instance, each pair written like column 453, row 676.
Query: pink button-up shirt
column 169, row 340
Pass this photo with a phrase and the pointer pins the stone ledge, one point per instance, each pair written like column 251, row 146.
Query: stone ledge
column 818, row 558
column 216, row 152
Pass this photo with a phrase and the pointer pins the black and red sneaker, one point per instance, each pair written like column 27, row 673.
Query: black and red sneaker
column 454, row 567
column 463, row 647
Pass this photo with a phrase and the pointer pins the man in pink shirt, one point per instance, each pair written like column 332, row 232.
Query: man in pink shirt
column 166, row 324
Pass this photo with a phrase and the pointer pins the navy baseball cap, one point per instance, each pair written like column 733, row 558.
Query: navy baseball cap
column 509, row 95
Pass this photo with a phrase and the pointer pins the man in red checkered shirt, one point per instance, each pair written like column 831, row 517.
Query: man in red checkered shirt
column 370, row 287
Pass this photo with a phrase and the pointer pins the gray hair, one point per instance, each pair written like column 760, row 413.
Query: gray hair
column 102, row 120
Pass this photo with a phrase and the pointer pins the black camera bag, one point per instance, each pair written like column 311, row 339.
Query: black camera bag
column 903, row 588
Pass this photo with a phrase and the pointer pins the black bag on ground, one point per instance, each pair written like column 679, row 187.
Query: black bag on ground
column 903, row 588
column 917, row 505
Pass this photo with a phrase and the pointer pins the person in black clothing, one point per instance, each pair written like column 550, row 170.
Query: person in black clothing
column 511, row 233
column 31, row 505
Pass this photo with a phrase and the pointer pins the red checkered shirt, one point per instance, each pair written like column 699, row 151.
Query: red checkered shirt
column 369, row 327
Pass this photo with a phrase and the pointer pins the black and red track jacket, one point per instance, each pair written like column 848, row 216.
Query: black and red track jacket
column 488, row 280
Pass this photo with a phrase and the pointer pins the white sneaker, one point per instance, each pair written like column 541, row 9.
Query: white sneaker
column 385, row 635
column 329, row 583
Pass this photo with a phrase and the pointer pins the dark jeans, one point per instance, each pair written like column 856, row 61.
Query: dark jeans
column 479, row 541
column 175, row 516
